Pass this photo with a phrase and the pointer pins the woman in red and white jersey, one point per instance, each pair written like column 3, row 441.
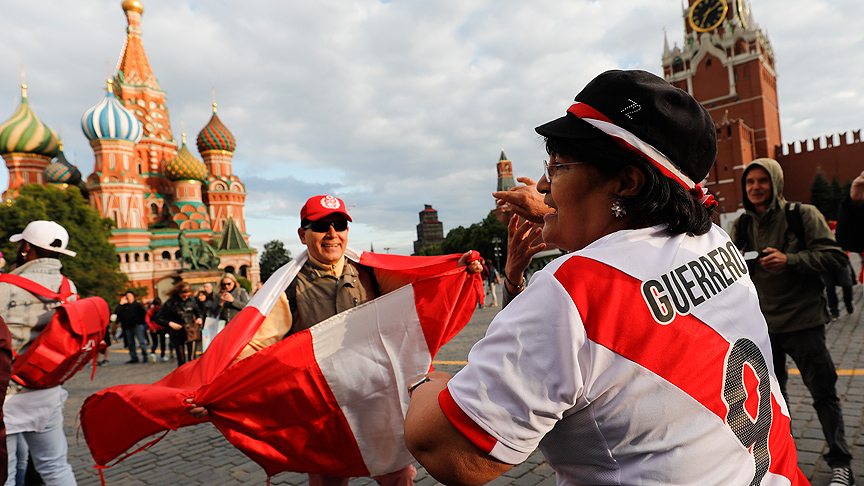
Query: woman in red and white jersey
column 641, row 356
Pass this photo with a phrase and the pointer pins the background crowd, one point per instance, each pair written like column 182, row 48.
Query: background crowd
column 174, row 328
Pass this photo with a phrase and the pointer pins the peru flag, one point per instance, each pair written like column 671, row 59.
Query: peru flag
column 330, row 399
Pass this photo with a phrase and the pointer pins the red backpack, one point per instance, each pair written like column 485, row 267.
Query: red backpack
column 72, row 338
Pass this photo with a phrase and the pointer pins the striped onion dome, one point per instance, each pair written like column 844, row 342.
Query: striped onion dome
column 26, row 133
column 110, row 120
column 185, row 166
column 61, row 171
column 215, row 136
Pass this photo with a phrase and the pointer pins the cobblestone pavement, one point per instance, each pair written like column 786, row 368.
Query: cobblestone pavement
column 201, row 456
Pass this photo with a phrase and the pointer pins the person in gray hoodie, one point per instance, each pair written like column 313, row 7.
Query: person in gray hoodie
column 786, row 276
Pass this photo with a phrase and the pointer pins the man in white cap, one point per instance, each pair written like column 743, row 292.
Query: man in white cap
column 36, row 414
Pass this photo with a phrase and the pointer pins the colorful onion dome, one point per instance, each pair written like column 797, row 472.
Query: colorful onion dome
column 61, row 171
column 57, row 173
column 215, row 136
column 110, row 120
column 185, row 166
column 25, row 133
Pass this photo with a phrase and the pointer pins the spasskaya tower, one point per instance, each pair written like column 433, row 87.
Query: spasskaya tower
column 727, row 64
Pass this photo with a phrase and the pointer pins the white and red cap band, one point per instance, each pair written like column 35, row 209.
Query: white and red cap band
column 318, row 207
column 629, row 141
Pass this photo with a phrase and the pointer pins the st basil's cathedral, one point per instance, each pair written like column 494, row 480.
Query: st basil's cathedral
column 165, row 202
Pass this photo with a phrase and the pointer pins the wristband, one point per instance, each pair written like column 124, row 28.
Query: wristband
column 519, row 287
column 419, row 382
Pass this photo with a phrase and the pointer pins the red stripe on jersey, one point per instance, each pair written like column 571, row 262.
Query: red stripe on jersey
column 461, row 421
column 613, row 318
column 686, row 352
column 784, row 458
column 751, row 382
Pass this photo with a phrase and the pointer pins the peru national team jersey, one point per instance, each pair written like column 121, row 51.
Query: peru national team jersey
column 641, row 359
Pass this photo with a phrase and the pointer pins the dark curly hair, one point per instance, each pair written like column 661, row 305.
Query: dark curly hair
column 661, row 200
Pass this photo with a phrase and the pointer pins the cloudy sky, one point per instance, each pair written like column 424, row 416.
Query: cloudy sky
column 393, row 104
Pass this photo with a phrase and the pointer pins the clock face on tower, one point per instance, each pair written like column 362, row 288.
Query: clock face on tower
column 706, row 15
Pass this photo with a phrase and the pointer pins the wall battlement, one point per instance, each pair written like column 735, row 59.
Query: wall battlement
column 817, row 144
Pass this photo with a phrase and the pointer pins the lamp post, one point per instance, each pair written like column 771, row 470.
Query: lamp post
column 497, row 249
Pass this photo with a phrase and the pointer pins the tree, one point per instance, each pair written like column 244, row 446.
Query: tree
column 836, row 198
column 96, row 268
column 822, row 196
column 478, row 236
column 274, row 256
column 245, row 283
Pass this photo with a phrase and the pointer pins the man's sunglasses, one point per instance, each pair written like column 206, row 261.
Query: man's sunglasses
column 324, row 226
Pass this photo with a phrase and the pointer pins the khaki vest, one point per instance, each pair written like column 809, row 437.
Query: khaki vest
column 315, row 295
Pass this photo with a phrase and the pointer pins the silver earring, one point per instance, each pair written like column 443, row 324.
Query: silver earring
column 617, row 209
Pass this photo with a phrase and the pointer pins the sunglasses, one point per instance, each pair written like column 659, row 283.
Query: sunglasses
column 324, row 226
column 225, row 284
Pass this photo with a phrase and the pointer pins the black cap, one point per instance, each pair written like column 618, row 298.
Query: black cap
column 659, row 114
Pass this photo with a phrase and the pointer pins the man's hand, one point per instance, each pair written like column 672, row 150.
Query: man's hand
column 468, row 257
column 857, row 191
column 196, row 411
column 523, row 200
column 774, row 260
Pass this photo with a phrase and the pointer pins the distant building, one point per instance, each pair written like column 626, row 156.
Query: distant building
column 150, row 187
column 727, row 63
column 505, row 173
column 430, row 231
column 505, row 183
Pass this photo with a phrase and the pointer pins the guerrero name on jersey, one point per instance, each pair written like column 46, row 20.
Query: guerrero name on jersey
column 649, row 364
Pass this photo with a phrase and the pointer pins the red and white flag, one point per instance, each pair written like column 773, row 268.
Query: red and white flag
column 330, row 399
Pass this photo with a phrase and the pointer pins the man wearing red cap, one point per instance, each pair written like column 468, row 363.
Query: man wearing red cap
column 327, row 284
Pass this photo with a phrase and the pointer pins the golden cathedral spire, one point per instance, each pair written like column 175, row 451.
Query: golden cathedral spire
column 23, row 83
column 134, row 68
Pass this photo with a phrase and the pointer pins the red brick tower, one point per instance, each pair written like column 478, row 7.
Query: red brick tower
column 505, row 173
column 430, row 231
column 727, row 63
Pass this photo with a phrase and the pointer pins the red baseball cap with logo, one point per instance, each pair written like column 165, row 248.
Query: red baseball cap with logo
column 318, row 207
